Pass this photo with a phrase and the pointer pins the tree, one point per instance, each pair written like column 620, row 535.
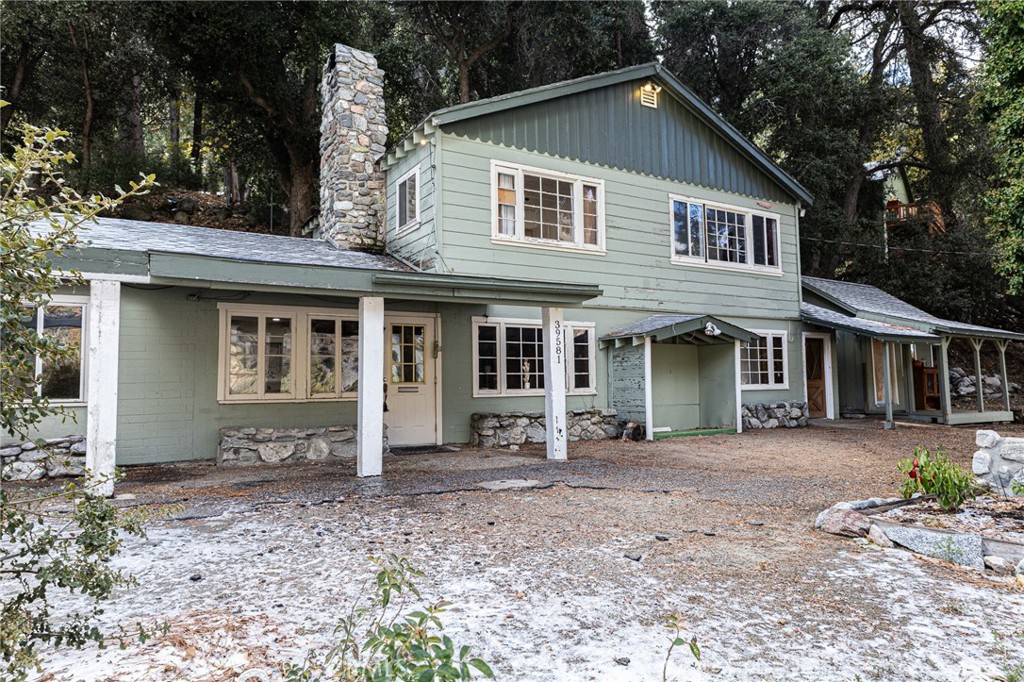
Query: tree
column 42, row 553
column 1002, row 99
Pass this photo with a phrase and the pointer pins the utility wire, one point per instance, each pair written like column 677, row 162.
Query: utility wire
column 900, row 248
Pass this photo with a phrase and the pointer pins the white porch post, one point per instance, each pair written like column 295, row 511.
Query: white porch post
column 979, row 383
column 554, row 382
column 648, row 390
column 947, row 399
column 887, row 381
column 370, row 399
column 104, row 329
column 738, row 369
column 1001, row 344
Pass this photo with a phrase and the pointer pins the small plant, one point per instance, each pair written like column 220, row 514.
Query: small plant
column 935, row 474
column 676, row 625
column 382, row 643
column 1017, row 487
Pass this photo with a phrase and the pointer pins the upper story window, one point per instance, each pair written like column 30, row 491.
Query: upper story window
column 407, row 200
column 541, row 207
column 62, row 320
column 726, row 235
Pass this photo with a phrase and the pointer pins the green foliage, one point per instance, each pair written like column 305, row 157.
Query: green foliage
column 1017, row 487
column 1002, row 100
column 676, row 626
column 935, row 474
column 45, row 552
column 385, row 642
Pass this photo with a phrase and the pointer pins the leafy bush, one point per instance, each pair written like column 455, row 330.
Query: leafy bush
column 381, row 642
column 935, row 474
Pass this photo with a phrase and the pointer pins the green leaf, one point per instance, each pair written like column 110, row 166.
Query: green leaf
column 484, row 669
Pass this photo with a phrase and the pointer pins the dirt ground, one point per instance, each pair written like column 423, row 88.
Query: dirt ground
column 571, row 579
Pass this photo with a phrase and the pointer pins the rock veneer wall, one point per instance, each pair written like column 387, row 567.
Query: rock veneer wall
column 503, row 429
column 242, row 445
column 29, row 462
column 790, row 414
column 999, row 461
column 353, row 135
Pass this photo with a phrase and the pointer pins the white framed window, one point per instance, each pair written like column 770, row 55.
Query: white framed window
column 715, row 234
column 537, row 207
column 764, row 362
column 63, row 319
column 508, row 357
column 407, row 200
column 288, row 354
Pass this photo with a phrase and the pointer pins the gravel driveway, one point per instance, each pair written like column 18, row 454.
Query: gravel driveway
column 571, row 579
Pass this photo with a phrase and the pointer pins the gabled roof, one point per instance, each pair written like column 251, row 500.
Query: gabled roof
column 823, row 317
column 866, row 300
column 671, row 85
column 698, row 329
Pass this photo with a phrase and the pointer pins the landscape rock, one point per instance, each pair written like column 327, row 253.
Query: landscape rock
column 509, row 429
column 998, row 565
column 999, row 462
column 878, row 536
column 846, row 522
column 958, row 548
column 53, row 458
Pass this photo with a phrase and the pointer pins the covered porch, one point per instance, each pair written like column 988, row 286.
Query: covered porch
column 677, row 373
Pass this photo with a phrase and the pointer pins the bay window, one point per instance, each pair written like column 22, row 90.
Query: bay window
column 509, row 357
column 713, row 234
column 534, row 206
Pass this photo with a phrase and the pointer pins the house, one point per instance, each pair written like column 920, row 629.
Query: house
column 545, row 266
column 889, row 357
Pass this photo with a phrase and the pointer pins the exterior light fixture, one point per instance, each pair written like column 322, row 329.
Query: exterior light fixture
column 649, row 94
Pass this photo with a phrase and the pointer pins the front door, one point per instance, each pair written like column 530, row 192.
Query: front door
column 410, row 380
column 814, row 354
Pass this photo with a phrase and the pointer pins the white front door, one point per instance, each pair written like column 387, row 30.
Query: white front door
column 411, row 380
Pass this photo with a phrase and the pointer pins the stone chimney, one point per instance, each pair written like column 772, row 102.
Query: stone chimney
column 353, row 135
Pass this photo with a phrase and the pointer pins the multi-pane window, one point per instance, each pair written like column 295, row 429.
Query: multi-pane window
column 288, row 354
column 545, row 207
column 408, row 365
column 763, row 361
column 509, row 358
column 407, row 199
column 715, row 234
column 63, row 379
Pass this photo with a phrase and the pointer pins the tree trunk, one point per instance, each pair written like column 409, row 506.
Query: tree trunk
column 463, row 80
column 197, row 134
column 83, row 59
column 301, row 189
column 22, row 68
column 137, row 137
column 174, row 123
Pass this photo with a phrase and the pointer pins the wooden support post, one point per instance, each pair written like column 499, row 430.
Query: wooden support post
column 979, row 383
column 554, row 382
column 648, row 390
column 739, row 386
column 887, row 381
column 370, row 399
column 104, row 330
column 1001, row 344
column 947, row 403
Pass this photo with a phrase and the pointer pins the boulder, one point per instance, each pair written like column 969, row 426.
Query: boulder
column 878, row 536
column 998, row 565
column 844, row 522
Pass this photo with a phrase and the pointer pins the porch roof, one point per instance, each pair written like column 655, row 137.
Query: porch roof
column 697, row 329
column 868, row 302
column 203, row 257
column 824, row 317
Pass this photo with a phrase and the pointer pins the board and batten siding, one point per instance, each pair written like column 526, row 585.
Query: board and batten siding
column 636, row 271
column 417, row 246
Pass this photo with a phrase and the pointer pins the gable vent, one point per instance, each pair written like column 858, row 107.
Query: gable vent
column 649, row 94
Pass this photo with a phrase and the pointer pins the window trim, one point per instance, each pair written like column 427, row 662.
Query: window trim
column 748, row 225
column 412, row 223
column 768, row 334
column 518, row 237
column 83, row 389
column 300, row 316
column 502, row 391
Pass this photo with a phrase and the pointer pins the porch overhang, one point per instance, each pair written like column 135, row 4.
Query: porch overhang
column 699, row 330
column 830, row 319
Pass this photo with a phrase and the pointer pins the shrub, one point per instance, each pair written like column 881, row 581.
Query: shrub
column 382, row 642
column 934, row 474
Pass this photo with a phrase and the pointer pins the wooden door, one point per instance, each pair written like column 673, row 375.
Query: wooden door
column 814, row 354
column 410, row 379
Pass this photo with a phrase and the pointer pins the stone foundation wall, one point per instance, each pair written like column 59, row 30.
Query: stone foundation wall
column 999, row 461
column 789, row 414
column 29, row 462
column 243, row 445
column 490, row 430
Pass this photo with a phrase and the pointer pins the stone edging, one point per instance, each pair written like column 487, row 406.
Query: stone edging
column 29, row 462
column 507, row 429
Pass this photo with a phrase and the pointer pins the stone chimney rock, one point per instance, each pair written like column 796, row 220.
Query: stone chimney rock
column 353, row 135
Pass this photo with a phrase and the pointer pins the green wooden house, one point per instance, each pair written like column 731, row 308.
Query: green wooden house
column 546, row 265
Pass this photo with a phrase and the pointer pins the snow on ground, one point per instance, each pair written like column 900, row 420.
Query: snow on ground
column 539, row 604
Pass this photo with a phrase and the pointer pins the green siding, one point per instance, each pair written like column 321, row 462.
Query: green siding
column 636, row 272
column 419, row 245
column 609, row 127
column 718, row 385
column 626, row 382
column 675, row 389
